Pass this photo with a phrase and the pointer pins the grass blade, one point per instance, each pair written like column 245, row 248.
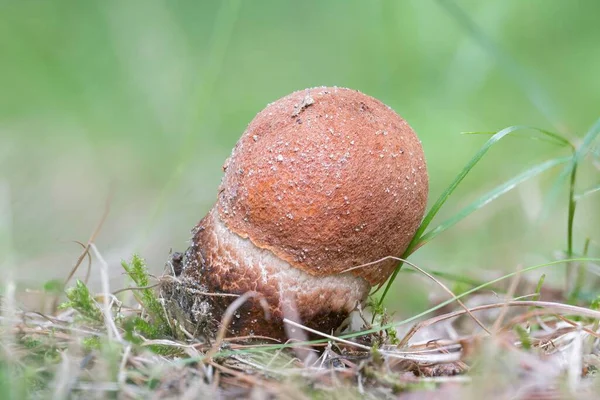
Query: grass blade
column 538, row 288
column 446, row 194
column 588, row 141
column 571, row 171
column 548, row 136
column 587, row 192
column 451, row 277
column 579, row 154
column 491, row 196
column 459, row 178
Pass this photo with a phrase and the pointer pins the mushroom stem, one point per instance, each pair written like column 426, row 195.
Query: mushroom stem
column 224, row 262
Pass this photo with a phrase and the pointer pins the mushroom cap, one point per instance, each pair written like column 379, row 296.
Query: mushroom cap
column 327, row 179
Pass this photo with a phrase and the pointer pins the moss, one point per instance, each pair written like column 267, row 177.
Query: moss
column 154, row 323
column 80, row 299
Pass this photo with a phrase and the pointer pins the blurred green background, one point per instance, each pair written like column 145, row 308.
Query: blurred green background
column 145, row 99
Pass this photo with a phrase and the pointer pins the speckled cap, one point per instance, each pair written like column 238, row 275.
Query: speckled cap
column 327, row 179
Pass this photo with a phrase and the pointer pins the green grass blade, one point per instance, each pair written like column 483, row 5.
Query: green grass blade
column 459, row 178
column 585, row 147
column 491, row 196
column 580, row 153
column 449, row 277
column 595, row 152
column 587, row 192
column 548, row 136
column 446, row 194
column 538, row 288
column 570, row 171
column 588, row 141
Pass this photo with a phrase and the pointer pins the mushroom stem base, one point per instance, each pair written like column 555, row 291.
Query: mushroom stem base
column 222, row 262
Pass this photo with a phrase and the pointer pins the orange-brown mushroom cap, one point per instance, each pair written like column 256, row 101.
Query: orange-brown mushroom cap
column 327, row 179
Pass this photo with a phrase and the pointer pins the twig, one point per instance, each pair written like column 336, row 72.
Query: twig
column 135, row 288
column 123, row 365
column 546, row 304
column 511, row 292
column 575, row 325
column 89, row 257
column 437, row 358
column 110, row 323
column 92, row 238
column 427, row 274
column 330, row 337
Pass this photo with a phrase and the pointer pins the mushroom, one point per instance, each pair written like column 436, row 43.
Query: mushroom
column 322, row 182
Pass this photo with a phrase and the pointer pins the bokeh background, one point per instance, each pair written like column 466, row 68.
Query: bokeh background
column 138, row 103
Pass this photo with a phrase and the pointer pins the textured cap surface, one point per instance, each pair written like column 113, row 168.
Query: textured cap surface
column 327, row 179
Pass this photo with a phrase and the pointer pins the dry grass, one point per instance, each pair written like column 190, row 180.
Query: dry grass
column 125, row 346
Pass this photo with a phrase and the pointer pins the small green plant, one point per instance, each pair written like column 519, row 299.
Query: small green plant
column 54, row 286
column 524, row 337
column 91, row 343
column 153, row 323
column 80, row 299
column 381, row 318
